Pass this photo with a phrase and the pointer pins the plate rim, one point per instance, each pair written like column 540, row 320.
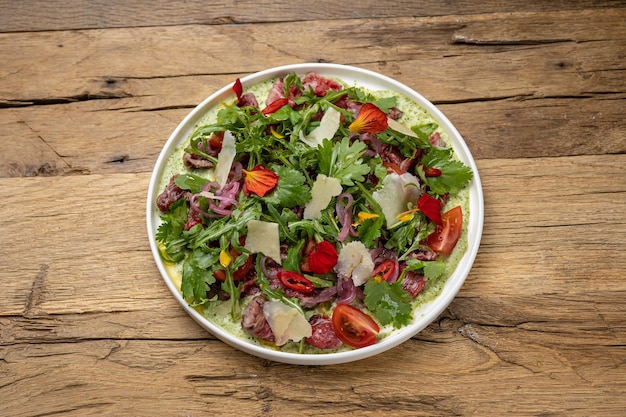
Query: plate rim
column 449, row 290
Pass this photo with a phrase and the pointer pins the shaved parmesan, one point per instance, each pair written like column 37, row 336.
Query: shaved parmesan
column 355, row 262
column 225, row 159
column 323, row 190
column 263, row 237
column 398, row 127
column 326, row 130
column 286, row 322
column 395, row 194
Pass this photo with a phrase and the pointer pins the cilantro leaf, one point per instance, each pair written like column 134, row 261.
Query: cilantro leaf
column 370, row 230
column 198, row 271
column 454, row 174
column 291, row 189
column 170, row 232
column 343, row 161
column 389, row 302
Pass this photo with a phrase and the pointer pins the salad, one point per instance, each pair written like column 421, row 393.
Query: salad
column 309, row 215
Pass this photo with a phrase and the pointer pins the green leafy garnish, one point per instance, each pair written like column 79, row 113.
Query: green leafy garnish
column 454, row 174
column 343, row 160
column 389, row 302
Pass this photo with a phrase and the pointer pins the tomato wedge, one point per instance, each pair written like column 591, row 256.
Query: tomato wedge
column 295, row 281
column 354, row 327
column 446, row 236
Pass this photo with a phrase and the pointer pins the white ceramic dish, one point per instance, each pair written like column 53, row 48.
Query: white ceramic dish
column 424, row 315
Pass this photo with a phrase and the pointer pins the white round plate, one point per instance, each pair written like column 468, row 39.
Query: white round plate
column 425, row 314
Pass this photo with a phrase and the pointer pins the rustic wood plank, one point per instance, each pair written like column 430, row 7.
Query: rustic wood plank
column 505, row 108
column 507, row 373
column 582, row 55
column 33, row 15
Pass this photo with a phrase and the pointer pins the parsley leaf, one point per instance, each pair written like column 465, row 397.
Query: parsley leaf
column 389, row 302
column 454, row 174
column 343, row 161
column 430, row 269
column 291, row 189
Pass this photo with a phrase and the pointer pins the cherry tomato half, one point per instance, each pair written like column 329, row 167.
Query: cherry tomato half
column 445, row 237
column 295, row 281
column 354, row 327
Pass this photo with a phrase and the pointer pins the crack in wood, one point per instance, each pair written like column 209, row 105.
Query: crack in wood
column 61, row 100
column 36, row 294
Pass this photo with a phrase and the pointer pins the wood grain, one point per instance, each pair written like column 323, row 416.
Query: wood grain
column 89, row 93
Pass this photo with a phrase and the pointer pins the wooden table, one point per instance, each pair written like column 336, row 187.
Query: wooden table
column 89, row 93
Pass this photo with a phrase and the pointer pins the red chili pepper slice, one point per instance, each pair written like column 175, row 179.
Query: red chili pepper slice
column 432, row 171
column 385, row 270
column 295, row 281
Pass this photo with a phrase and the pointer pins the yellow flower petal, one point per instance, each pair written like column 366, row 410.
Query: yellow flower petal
column 225, row 259
column 275, row 133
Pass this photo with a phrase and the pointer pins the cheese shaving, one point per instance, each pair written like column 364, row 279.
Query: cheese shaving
column 263, row 237
column 395, row 194
column 225, row 159
column 286, row 322
column 323, row 190
column 326, row 130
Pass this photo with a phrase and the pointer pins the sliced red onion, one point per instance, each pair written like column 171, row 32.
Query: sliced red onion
column 344, row 215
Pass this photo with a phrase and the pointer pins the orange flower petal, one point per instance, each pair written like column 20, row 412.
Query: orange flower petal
column 371, row 119
column 260, row 180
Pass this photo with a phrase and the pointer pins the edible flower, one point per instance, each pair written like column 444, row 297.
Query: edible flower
column 323, row 258
column 225, row 258
column 431, row 207
column 275, row 133
column 371, row 119
column 364, row 215
column 238, row 89
column 407, row 216
column 260, row 180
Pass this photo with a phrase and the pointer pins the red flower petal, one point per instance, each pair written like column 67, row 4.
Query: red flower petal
column 274, row 106
column 371, row 119
column 238, row 89
column 260, row 180
column 323, row 258
column 431, row 207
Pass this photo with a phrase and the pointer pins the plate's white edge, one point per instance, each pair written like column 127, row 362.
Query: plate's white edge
column 373, row 80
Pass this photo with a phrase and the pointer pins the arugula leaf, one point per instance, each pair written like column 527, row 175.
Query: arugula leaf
column 191, row 182
column 343, row 161
column 292, row 263
column 291, row 189
column 454, row 174
column 389, row 302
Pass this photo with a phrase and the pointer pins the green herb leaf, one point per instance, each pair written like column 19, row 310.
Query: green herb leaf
column 343, row 161
column 389, row 302
column 291, row 189
column 454, row 174
column 191, row 182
